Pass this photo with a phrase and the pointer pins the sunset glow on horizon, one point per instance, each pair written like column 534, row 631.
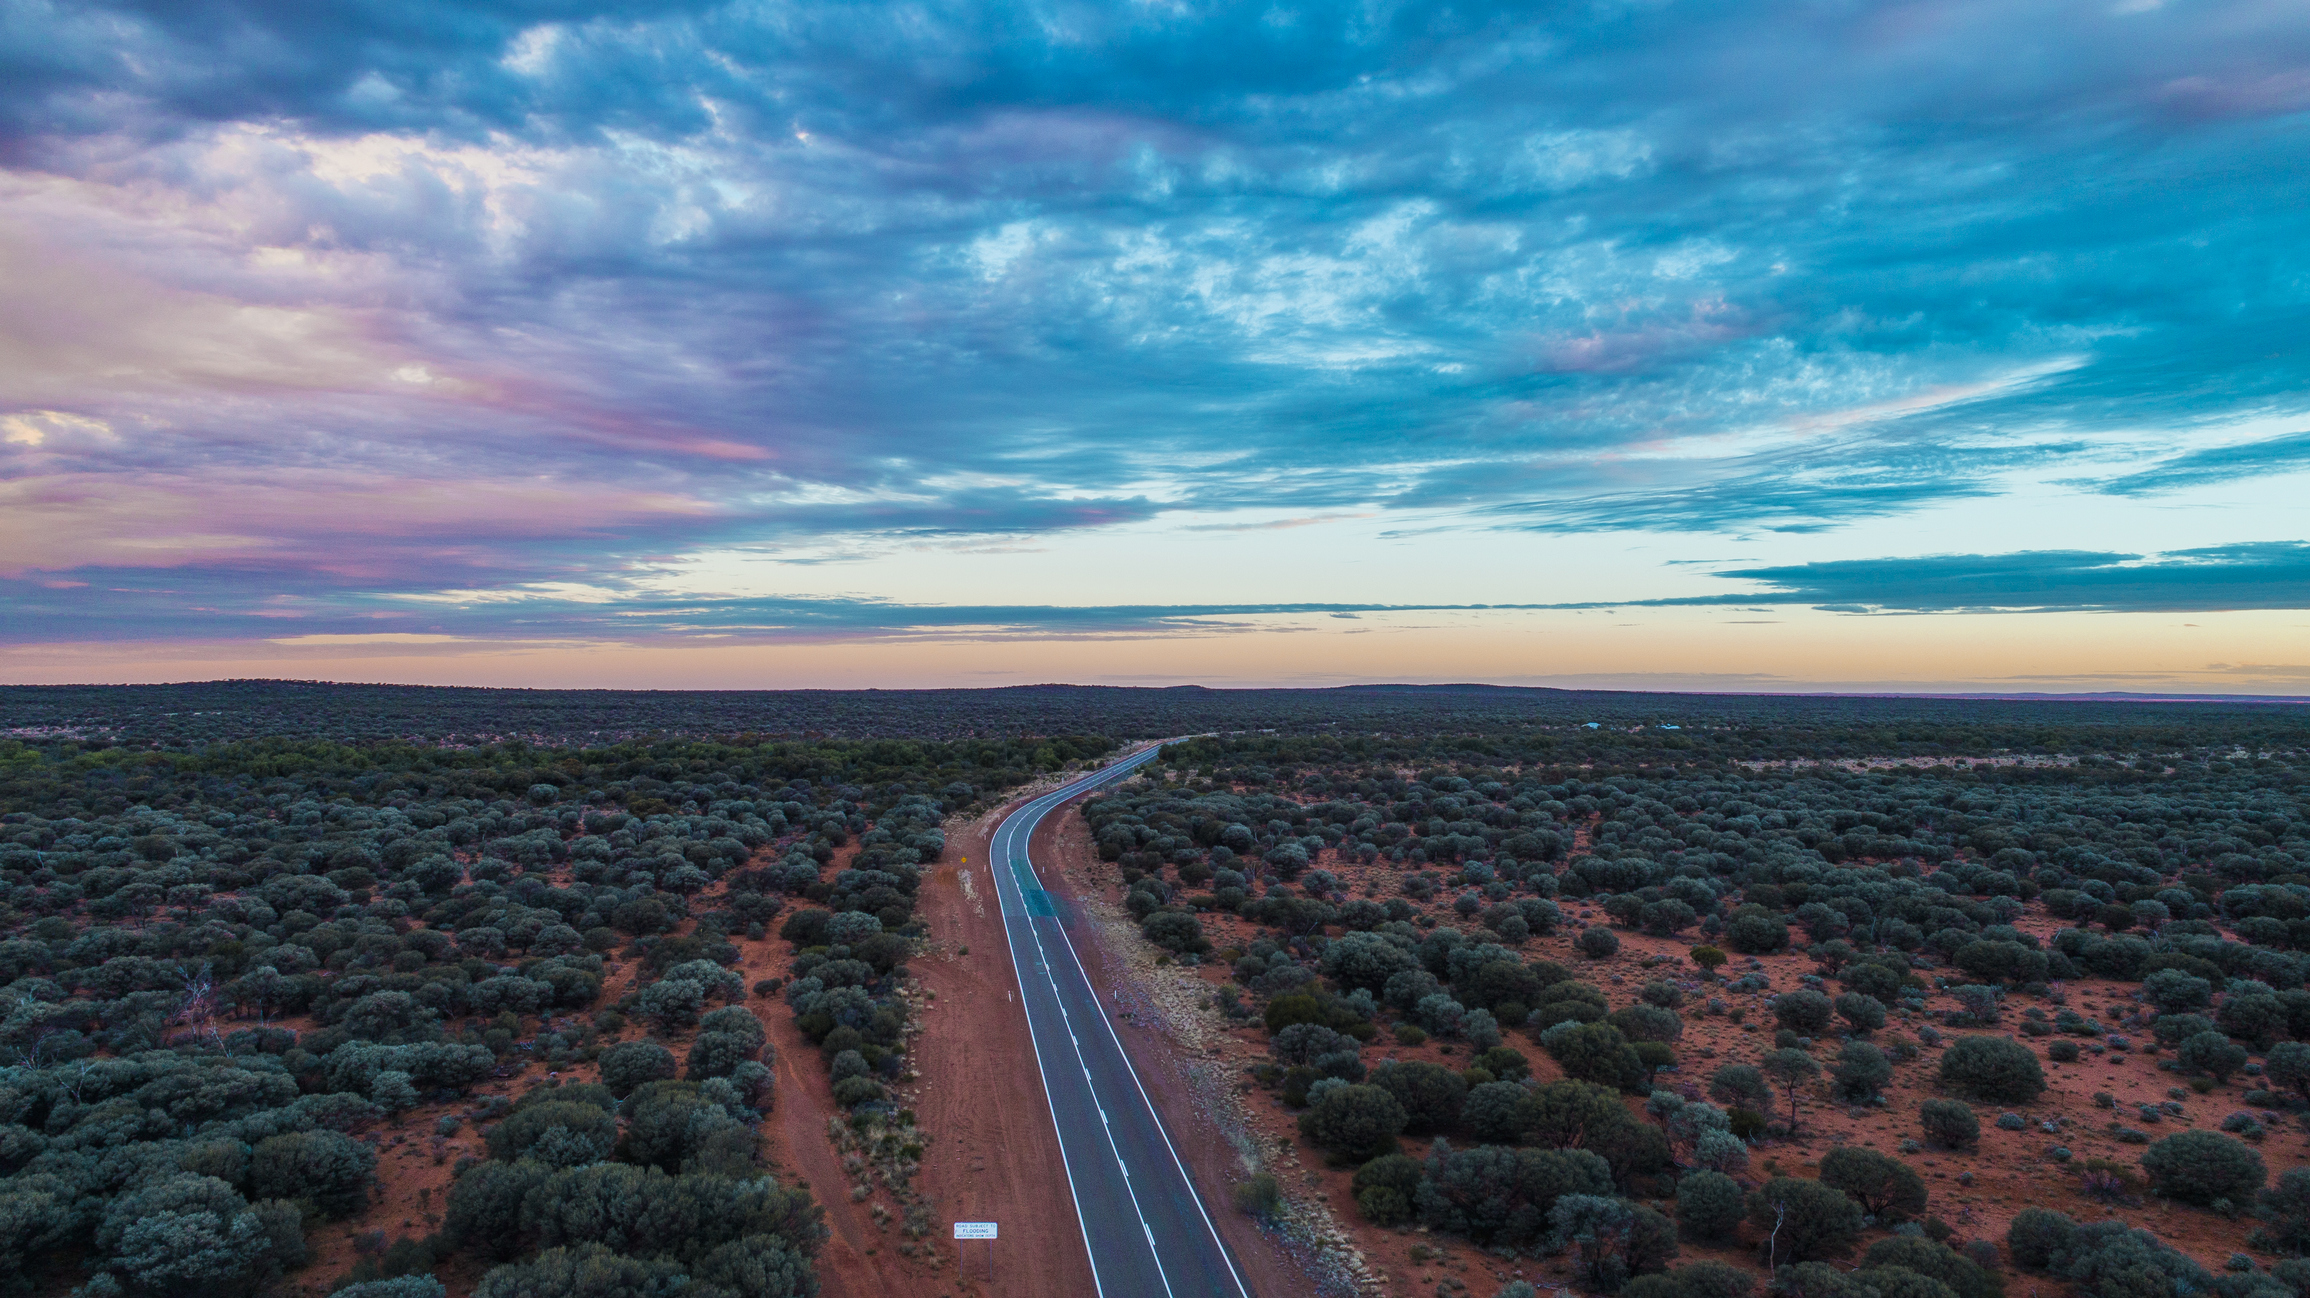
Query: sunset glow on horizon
column 1931, row 347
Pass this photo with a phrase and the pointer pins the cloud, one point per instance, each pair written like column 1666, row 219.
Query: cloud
column 2267, row 575
column 307, row 301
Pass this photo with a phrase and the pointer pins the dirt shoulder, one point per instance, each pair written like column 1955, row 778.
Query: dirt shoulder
column 993, row 1153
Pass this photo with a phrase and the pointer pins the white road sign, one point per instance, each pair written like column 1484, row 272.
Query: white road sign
column 974, row 1230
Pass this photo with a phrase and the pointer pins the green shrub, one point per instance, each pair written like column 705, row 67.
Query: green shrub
column 1998, row 1069
column 1597, row 1052
column 1740, row 1086
column 1866, row 1013
column 2037, row 1236
column 2285, row 1212
column 2202, row 1166
column 331, row 1169
column 1258, row 1195
column 1862, row 1070
column 1431, row 1094
column 1803, row 1219
column 2213, row 1054
column 1949, row 1123
column 1385, row 1187
column 2062, row 1052
column 1935, row 1261
column 1885, row 1187
column 1708, row 1205
column 557, row 1133
column 1355, row 1123
column 1804, row 1011
column 1599, row 943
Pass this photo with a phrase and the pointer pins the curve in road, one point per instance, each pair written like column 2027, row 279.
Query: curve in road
column 1147, row 1231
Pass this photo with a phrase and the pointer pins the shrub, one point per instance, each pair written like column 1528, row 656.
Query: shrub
column 1259, row 1196
column 1862, row 1070
column 1431, row 1094
column 2211, row 1053
column 1949, row 1123
column 1804, row 1011
column 328, row 1167
column 1994, row 1068
column 1866, row 1013
column 1936, row 1261
column 1708, row 1205
column 2285, row 1212
column 1599, row 943
column 1385, row 1188
column 2202, row 1166
column 2062, row 1052
column 555, row 1132
column 1709, row 958
column 1740, row 1086
column 1790, row 1070
column 1356, row 1123
column 1666, row 995
column 1646, row 1023
column 1612, row 1239
column 2175, row 992
column 2037, row 1236
column 1885, row 1187
column 1597, row 1052
column 1803, row 1220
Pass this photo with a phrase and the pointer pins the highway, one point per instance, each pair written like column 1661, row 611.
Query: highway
column 1148, row 1234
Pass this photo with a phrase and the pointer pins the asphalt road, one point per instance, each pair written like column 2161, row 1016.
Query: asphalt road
column 1148, row 1234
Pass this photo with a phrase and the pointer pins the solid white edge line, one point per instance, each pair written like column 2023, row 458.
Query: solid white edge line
column 1066, row 1165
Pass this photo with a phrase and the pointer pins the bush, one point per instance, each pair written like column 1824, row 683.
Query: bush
column 2062, row 1052
column 1708, row 1205
column 1805, row 1011
column 2037, row 1236
column 2288, row 1066
column 556, row 1133
column 1993, row 1068
column 1862, row 1070
column 1866, row 1013
column 1498, row 1113
column 328, row 1167
column 1885, row 1187
column 1597, row 1052
column 1431, row 1094
column 2175, row 992
column 1740, row 1086
column 2211, row 1053
column 2285, row 1212
column 1710, row 1280
column 1612, row 1239
column 2202, row 1166
column 1599, row 943
column 1646, row 1023
column 1949, row 1123
column 1258, row 1196
column 1385, row 1188
column 1355, row 1123
column 1813, row 1220
column 1934, row 1261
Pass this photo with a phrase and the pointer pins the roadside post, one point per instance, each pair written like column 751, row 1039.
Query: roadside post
column 980, row 1230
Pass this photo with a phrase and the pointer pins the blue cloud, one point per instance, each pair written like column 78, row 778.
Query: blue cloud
column 965, row 268
column 2267, row 575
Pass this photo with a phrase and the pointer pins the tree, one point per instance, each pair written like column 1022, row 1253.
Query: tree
column 1564, row 1115
column 1597, row 1052
column 2285, row 1212
column 1431, row 1094
column 1708, row 1205
column 583, row 1271
column 1885, row 1187
column 1866, row 1013
column 1599, row 943
column 1862, row 1070
column 1646, row 1023
column 1934, row 1261
column 1498, row 1113
column 2203, row 1166
column 1355, row 1123
column 2037, row 1236
column 1802, row 1220
column 759, row 1266
column 328, row 1167
column 2213, row 1054
column 1709, row 958
column 1804, row 1011
column 2288, row 1066
column 1999, row 1069
column 2255, row 1016
column 555, row 1132
column 1949, row 1123
column 1613, row 1239
column 1740, row 1086
column 629, row 1064
column 1790, row 1070
column 485, row 1206
column 2175, row 992
column 1385, row 1188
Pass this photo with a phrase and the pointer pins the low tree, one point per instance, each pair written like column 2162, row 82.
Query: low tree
column 1804, row 1011
column 2213, row 1054
column 1886, row 1187
column 330, row 1168
column 1709, row 958
column 1599, row 1053
column 1791, row 1071
column 1935, row 1261
column 1708, row 1205
column 2285, row 1212
column 1740, row 1086
column 2204, row 1166
column 1498, row 1113
column 1998, row 1069
column 1862, row 1071
column 1612, row 1239
column 2288, row 1066
column 1949, row 1123
column 1866, row 1013
column 2037, row 1236
column 629, row 1064
column 1386, row 1187
column 1431, row 1094
column 1599, row 943
column 1354, row 1124
column 1801, row 1220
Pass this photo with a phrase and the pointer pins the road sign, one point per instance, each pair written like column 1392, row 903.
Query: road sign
column 974, row 1230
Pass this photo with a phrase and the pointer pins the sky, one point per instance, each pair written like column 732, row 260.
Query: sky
column 1778, row 345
